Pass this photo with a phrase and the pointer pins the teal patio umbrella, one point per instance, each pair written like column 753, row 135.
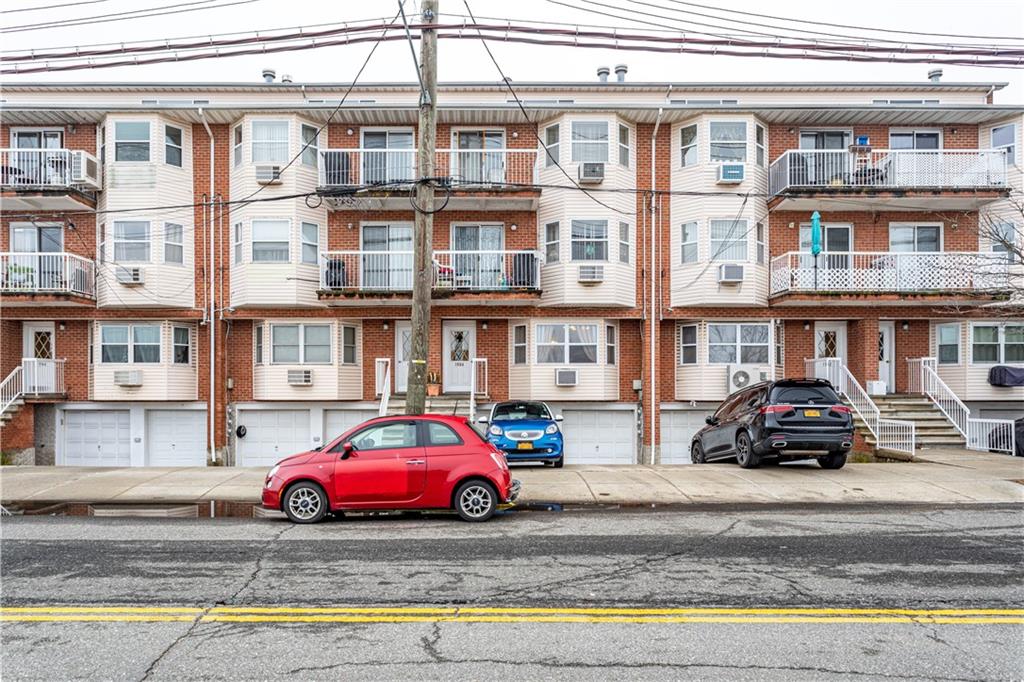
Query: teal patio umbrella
column 815, row 242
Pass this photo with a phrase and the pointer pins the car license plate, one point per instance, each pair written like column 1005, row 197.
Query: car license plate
column 524, row 445
column 812, row 413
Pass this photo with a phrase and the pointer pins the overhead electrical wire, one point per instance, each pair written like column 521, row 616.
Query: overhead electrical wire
column 42, row 7
column 124, row 16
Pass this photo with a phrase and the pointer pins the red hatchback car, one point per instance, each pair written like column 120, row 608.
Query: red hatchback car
column 423, row 462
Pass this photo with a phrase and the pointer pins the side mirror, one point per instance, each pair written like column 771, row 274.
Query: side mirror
column 711, row 421
column 482, row 420
column 346, row 450
column 559, row 418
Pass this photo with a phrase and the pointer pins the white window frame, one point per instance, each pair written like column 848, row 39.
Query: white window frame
column 237, row 144
column 625, row 242
column 148, row 240
column 761, row 145
column 552, row 247
column 955, row 326
column 127, row 344
column 692, row 146
column 739, row 344
column 102, row 240
column 694, row 242
column 732, row 144
column 566, row 345
column 914, row 132
column 588, row 239
column 523, row 345
column 1011, row 149
column 175, row 345
column 170, row 145
column 1000, row 343
column 170, row 243
column 577, row 146
column 134, row 141
column 305, row 243
column 257, row 342
column 238, row 243
column 761, row 242
column 259, row 222
column 915, row 225
column 683, row 345
column 625, row 149
column 130, row 343
column 346, row 346
column 301, row 341
column 552, row 149
column 717, row 250
column 611, row 344
column 310, row 153
column 1003, row 238
column 271, row 144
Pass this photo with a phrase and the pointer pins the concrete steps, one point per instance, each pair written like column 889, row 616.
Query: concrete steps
column 444, row 404
column 931, row 427
column 9, row 413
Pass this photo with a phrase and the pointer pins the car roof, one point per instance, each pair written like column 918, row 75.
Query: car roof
column 521, row 402
column 449, row 418
column 803, row 382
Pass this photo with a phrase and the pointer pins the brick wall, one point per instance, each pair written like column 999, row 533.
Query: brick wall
column 783, row 137
column 912, row 343
column 871, row 230
column 341, row 238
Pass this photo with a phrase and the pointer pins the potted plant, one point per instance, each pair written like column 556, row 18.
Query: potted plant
column 433, row 384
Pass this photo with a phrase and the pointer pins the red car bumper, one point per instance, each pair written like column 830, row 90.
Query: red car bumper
column 271, row 499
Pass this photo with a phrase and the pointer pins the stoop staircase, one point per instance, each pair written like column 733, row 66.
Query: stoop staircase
column 932, row 429
column 444, row 404
column 11, row 410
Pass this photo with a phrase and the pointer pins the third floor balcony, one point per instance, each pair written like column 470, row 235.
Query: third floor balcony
column 48, row 179
column 894, row 179
column 67, row 277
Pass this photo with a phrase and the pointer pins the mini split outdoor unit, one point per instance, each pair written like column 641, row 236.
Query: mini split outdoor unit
column 740, row 376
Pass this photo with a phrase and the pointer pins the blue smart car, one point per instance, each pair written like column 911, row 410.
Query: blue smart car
column 526, row 431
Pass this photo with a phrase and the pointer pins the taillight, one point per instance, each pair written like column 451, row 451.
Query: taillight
column 841, row 409
column 776, row 409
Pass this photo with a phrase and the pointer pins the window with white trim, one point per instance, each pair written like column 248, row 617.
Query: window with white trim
column 270, row 241
column 551, row 145
column 311, row 145
column 181, row 341
column 131, row 241
column 1005, row 137
column 624, row 145
column 103, row 242
column 348, row 344
column 300, row 344
column 174, row 250
column 1003, row 238
column 551, row 242
column 114, row 343
column 130, row 343
column 519, row 344
column 780, row 346
column 688, row 237
column 238, row 243
column 729, row 343
column 993, row 344
column 310, row 243
column 590, row 141
column 624, row 242
column 759, row 145
column 947, row 337
column 236, row 145
column 611, row 343
column 270, row 142
column 131, row 141
column 172, row 146
column 688, row 344
column 761, row 242
column 728, row 141
column 567, row 344
column 145, row 343
column 688, row 145
column 728, row 240
column 257, row 342
column 589, row 239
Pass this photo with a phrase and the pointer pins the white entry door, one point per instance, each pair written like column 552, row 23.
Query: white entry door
column 459, row 349
column 886, row 350
column 830, row 341
column 403, row 348
column 97, row 438
column 37, row 344
column 176, row 438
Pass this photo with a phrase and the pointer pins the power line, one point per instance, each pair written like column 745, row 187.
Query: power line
column 122, row 16
column 66, row 4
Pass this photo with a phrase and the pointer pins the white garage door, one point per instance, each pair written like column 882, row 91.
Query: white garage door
column 677, row 429
column 337, row 422
column 97, row 438
column 599, row 436
column 272, row 435
column 176, row 438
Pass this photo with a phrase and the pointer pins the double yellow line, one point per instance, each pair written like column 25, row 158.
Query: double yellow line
column 468, row 614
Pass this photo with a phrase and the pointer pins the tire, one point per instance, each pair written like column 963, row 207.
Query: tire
column 836, row 460
column 560, row 462
column 697, row 455
column 305, row 502
column 745, row 455
column 476, row 501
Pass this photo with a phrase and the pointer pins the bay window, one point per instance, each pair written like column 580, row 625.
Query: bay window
column 300, row 344
column 728, row 240
column 688, row 238
column 728, row 141
column 590, row 141
column 181, row 344
column 566, row 343
column 519, row 344
column 114, row 343
column 131, row 141
column 310, row 243
column 1005, row 137
column 236, row 145
column 258, row 343
column 270, row 241
column 688, row 344
column 146, row 343
column 174, row 251
column 590, row 240
column 348, row 344
column 624, row 145
column 132, row 343
column 172, row 146
column 551, row 242
column 611, row 343
column 310, row 145
column 743, row 343
column 624, row 242
column 688, row 145
column 551, row 145
column 270, row 142
column 948, row 338
column 131, row 241
column 759, row 145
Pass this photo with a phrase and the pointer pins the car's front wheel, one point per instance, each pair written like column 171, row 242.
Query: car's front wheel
column 697, row 453
column 305, row 502
column 476, row 501
column 560, row 462
column 836, row 460
column 745, row 455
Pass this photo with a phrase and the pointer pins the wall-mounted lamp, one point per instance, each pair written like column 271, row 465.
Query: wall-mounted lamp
column 791, row 130
column 513, row 227
column 61, row 326
column 807, row 326
column 350, row 226
column 72, row 128
column 953, row 131
column 384, row 326
column 349, row 131
column 483, row 325
column 515, row 135
column 792, row 225
column 905, row 326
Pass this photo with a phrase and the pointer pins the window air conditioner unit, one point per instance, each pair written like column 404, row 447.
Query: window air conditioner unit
column 566, row 377
column 127, row 377
column 591, row 172
column 130, row 276
column 731, row 173
column 590, row 274
column 268, row 175
column 300, row 377
column 740, row 376
column 730, row 273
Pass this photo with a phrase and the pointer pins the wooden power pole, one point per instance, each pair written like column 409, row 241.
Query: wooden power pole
column 423, row 262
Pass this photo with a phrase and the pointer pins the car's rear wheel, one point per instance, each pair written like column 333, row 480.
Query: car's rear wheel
column 560, row 462
column 476, row 501
column 835, row 460
column 305, row 502
column 745, row 455
column 697, row 453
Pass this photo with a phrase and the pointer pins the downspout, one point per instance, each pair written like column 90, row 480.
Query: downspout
column 212, row 419
column 653, row 278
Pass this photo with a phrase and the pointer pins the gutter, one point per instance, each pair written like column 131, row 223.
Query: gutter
column 654, row 279
column 212, row 416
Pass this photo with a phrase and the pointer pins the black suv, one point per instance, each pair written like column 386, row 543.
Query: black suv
column 788, row 419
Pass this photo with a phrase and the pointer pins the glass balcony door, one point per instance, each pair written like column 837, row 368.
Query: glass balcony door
column 387, row 257
column 476, row 161
column 820, row 168
column 388, row 156
column 37, row 167
column 481, row 267
column 37, row 269
column 834, row 260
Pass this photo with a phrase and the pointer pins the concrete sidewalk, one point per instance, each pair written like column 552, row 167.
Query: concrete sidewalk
column 942, row 477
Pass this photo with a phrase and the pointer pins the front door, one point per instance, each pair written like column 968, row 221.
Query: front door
column 39, row 374
column 387, row 465
column 829, row 341
column 403, row 347
column 886, row 347
column 459, row 349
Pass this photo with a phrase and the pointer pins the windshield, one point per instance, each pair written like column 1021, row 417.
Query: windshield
column 516, row 411
column 804, row 395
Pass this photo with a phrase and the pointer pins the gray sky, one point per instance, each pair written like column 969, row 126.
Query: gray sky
column 466, row 60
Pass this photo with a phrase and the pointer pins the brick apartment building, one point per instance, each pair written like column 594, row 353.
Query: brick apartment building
column 141, row 298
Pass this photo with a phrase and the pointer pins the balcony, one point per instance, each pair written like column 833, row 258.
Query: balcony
column 56, row 274
column 480, row 179
column 388, row 273
column 887, row 179
column 972, row 273
column 48, row 179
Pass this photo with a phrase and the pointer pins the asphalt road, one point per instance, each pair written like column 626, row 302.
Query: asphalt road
column 754, row 594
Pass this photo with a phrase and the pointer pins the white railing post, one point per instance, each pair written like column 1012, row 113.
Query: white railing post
column 11, row 388
column 382, row 383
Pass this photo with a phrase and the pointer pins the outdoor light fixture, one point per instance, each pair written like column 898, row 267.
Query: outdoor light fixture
column 807, row 326
column 515, row 135
column 61, row 326
column 483, row 325
column 905, row 326
column 385, row 326
column 513, row 227
column 349, row 131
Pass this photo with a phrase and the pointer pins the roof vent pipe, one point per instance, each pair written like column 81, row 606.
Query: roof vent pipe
column 286, row 78
column 935, row 75
column 269, row 75
column 602, row 73
column 620, row 72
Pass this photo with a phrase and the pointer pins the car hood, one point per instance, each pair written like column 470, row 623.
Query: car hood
column 524, row 424
column 300, row 458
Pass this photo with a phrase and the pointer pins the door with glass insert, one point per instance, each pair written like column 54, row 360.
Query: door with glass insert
column 388, row 156
column 36, row 263
column 824, row 157
column 834, row 266
column 459, row 348
column 919, row 264
column 35, row 165
column 478, row 158
column 477, row 258
column 387, row 257
column 916, row 162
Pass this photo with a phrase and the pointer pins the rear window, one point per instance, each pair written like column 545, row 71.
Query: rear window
column 803, row 395
column 514, row 411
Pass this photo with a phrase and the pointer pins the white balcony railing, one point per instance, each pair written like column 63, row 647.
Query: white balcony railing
column 382, row 383
column 453, row 270
column 48, row 169
column 61, row 273
column 42, row 377
column 888, row 169
column 355, row 167
column 890, row 272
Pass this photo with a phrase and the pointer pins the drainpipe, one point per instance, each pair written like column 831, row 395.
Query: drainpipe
column 213, row 338
column 653, row 278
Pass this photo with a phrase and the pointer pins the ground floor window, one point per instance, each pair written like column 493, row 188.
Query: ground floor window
column 729, row 343
column 567, row 343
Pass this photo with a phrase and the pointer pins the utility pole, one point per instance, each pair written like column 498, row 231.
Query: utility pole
column 423, row 263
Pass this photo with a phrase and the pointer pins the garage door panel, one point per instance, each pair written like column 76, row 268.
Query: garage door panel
column 176, row 437
column 97, row 438
column 677, row 430
column 337, row 422
column 272, row 435
column 600, row 436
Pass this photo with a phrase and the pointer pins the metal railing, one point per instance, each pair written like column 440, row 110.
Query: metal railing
column 453, row 270
column 382, row 383
column 39, row 272
column 10, row 389
column 48, row 168
column 859, row 271
column 890, row 434
column 980, row 434
column 476, row 386
column 356, row 167
column 41, row 376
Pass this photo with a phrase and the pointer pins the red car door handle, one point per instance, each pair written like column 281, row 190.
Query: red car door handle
column 415, row 461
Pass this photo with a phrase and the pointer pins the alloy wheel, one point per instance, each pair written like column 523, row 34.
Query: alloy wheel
column 475, row 501
column 305, row 503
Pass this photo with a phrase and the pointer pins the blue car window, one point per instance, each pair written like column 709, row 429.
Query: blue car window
column 517, row 411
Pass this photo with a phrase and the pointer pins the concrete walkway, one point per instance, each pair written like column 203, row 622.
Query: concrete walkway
column 945, row 476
